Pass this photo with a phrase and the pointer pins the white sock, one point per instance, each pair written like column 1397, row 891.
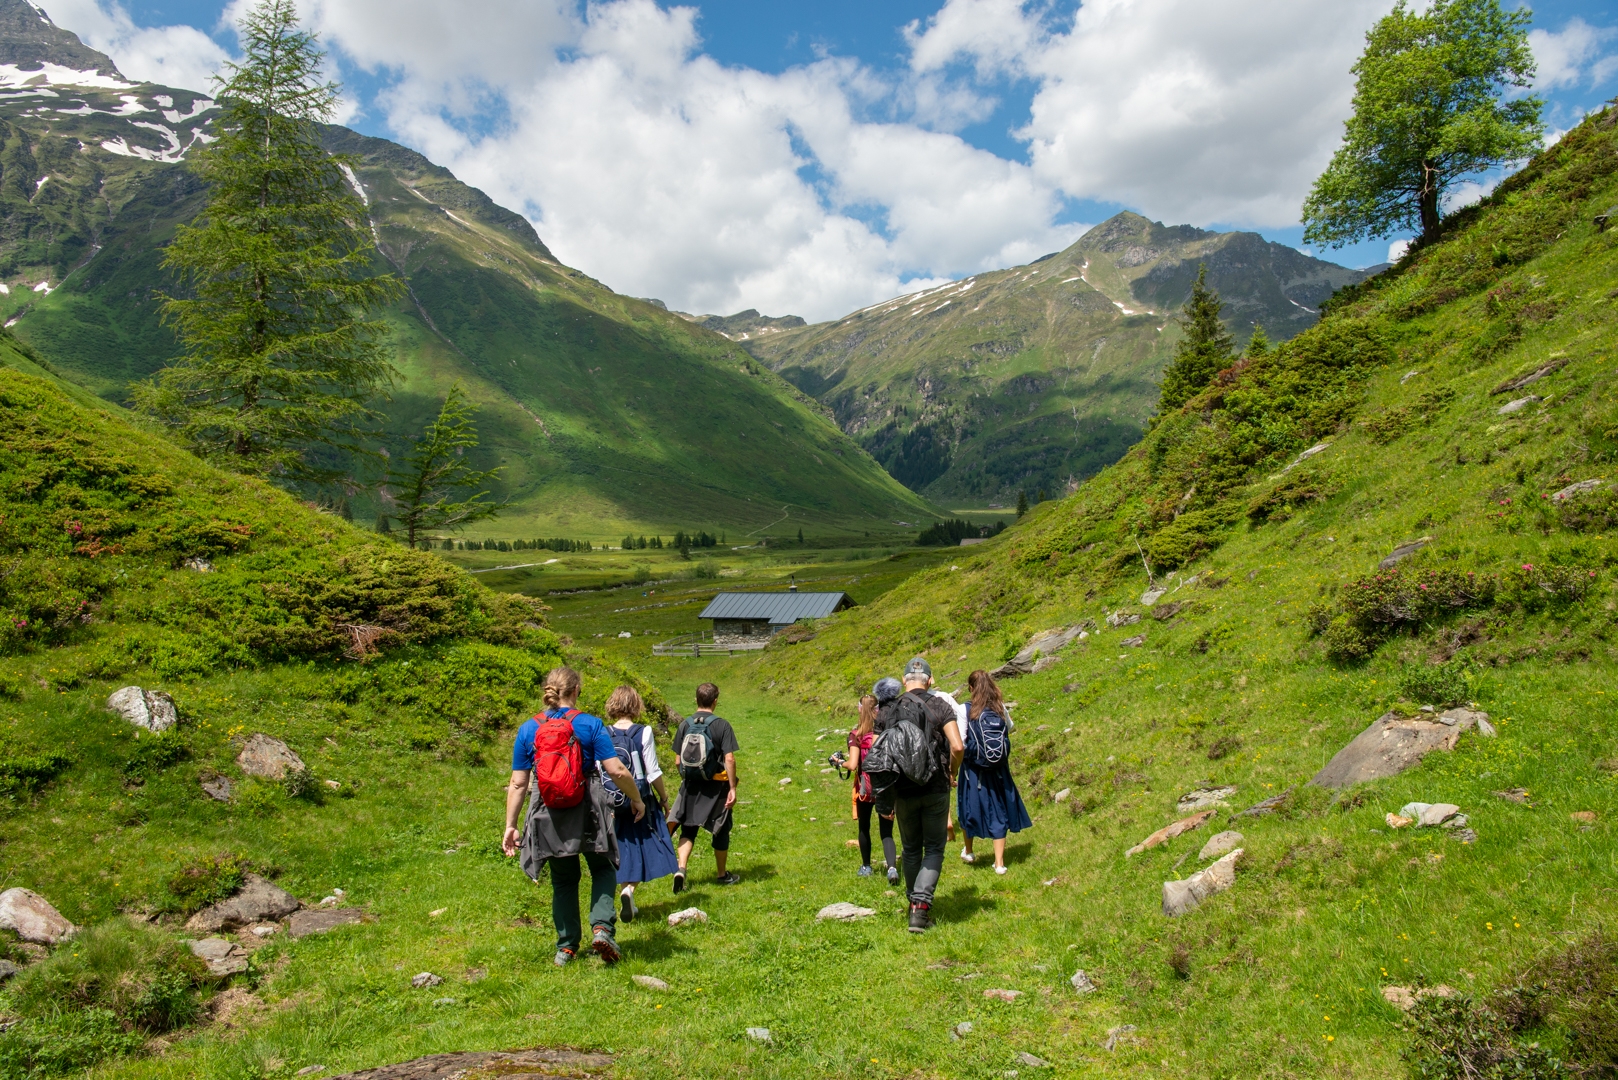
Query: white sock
column 629, row 890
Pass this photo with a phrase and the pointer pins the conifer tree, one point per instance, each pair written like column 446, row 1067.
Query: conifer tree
column 1022, row 502
column 1257, row 345
column 436, row 487
column 1204, row 351
column 276, row 278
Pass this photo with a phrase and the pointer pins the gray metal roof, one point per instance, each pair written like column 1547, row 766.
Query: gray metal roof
column 779, row 608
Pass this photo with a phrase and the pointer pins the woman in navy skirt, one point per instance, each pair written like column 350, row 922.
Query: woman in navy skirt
column 987, row 802
column 644, row 851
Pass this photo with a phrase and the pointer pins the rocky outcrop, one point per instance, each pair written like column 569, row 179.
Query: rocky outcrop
column 31, row 917
column 257, row 901
column 1169, row 832
column 150, row 709
column 1394, row 743
column 222, row 957
column 322, row 920
column 1041, row 650
column 478, row 1065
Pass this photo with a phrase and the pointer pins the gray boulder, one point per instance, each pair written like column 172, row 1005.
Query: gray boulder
column 257, row 901
column 1403, row 552
column 1393, row 744
column 151, row 709
column 7, row 970
column 1184, row 897
column 1575, row 489
column 843, row 912
column 31, row 917
column 1220, row 844
column 1517, row 406
column 1082, row 983
column 688, row 915
column 1041, row 647
column 218, row 788
column 268, row 758
column 650, row 982
column 425, row 979
column 222, row 957
column 322, row 920
column 1203, row 798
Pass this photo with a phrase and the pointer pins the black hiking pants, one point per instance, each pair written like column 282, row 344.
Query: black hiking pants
column 884, row 827
column 923, row 824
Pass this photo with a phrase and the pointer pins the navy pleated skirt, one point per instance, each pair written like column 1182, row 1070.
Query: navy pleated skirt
column 987, row 803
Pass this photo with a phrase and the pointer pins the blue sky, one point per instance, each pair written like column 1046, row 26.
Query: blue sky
column 816, row 156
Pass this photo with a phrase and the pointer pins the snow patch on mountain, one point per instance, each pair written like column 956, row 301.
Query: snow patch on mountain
column 12, row 76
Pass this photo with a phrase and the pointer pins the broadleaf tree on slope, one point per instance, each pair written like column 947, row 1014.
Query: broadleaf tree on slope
column 277, row 281
column 1430, row 110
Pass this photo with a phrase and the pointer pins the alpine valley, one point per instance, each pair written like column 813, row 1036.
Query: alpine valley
column 605, row 412
column 1038, row 376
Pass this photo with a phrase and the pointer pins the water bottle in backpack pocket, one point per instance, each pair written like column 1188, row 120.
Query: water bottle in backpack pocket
column 629, row 745
column 988, row 741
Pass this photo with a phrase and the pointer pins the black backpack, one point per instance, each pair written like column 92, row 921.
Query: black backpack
column 697, row 753
column 628, row 744
column 904, row 749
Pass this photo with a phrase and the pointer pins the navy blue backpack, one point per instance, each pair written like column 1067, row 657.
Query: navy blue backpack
column 988, row 740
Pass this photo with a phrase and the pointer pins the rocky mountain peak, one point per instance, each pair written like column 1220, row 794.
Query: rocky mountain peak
column 31, row 45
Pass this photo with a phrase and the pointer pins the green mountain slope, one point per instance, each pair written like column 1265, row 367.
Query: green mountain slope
column 1411, row 504
column 609, row 414
column 1040, row 375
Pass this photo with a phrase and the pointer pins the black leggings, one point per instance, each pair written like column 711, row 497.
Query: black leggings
column 884, row 829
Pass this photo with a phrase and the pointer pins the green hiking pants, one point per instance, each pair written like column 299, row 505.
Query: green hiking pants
column 565, row 875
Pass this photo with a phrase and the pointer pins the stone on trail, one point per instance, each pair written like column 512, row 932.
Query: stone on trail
column 1152, row 595
column 1393, row 744
column 426, row 978
column 1031, row 1061
column 1123, row 618
column 1184, row 897
column 1061, row 796
column 1123, row 1034
column 759, row 1034
column 1220, row 843
column 963, row 1029
column 1002, row 995
column 322, row 920
column 1429, row 814
column 7, row 970
column 650, row 982
column 784, row 781
column 222, row 957
column 31, row 917
column 842, row 911
column 851, row 843
column 268, row 757
column 1133, row 642
column 1203, row 798
column 1517, row 406
column 151, row 709
column 264, row 930
column 689, row 915
column 257, row 901
column 1081, row 982
column 1169, row 832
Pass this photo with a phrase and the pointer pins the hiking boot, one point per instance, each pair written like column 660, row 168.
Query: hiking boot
column 679, row 882
column 864, row 871
column 893, row 875
column 730, row 878
column 629, row 906
column 564, row 957
column 921, row 918
column 604, row 946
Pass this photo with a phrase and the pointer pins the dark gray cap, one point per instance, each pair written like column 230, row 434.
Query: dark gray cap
column 918, row 666
column 887, row 689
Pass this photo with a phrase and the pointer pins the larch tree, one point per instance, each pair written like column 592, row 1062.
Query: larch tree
column 276, row 279
column 436, row 488
column 1204, row 351
column 1435, row 102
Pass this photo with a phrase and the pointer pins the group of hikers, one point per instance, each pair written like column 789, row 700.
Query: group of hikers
column 595, row 791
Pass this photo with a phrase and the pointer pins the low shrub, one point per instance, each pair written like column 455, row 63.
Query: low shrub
column 152, row 753
column 1456, row 1038
column 64, row 1043
column 1281, row 501
column 1437, row 684
column 207, row 881
column 1591, row 511
column 1388, row 602
column 145, row 979
column 25, row 775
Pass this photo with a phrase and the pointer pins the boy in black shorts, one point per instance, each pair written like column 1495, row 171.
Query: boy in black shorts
column 705, row 752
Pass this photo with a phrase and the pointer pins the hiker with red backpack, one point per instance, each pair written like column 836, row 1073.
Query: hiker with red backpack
column 644, row 851
column 705, row 748
column 569, row 815
column 987, row 801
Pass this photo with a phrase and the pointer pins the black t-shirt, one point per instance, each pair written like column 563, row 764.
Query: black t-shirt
column 724, row 741
column 938, row 714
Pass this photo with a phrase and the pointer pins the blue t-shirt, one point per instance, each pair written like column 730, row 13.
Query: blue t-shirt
column 592, row 736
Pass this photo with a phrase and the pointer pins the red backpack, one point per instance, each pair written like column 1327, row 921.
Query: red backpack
column 558, row 761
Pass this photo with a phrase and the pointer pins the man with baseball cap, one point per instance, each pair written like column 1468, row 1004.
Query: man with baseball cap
column 922, row 810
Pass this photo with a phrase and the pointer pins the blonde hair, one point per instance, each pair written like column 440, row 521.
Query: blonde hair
column 867, row 715
column 625, row 704
column 561, row 684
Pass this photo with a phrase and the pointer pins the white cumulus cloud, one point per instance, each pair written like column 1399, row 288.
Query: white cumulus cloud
column 1572, row 55
column 179, row 56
